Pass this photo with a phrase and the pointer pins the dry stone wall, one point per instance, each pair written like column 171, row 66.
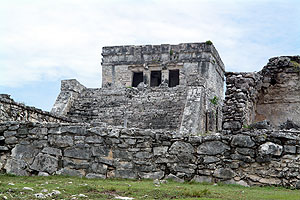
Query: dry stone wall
column 13, row 111
column 279, row 98
column 240, row 99
column 272, row 94
column 247, row 157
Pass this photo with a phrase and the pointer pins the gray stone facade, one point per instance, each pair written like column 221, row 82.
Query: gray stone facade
column 199, row 64
column 69, row 92
column 14, row 111
column 272, row 94
column 184, row 94
column 132, row 128
column 247, row 157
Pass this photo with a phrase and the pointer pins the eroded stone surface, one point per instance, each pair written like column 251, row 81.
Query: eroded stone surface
column 61, row 141
column 265, row 99
column 201, row 179
column 24, row 152
column 224, row 173
column 157, row 154
column 269, row 148
column 17, row 167
column 78, row 151
column 242, row 141
column 212, row 148
column 52, row 151
column 45, row 163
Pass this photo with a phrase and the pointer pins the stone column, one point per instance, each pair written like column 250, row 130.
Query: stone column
column 165, row 76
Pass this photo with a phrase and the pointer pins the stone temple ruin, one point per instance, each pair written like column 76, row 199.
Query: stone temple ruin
column 159, row 87
column 161, row 114
column 271, row 94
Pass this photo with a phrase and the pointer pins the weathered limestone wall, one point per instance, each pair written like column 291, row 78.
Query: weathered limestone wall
column 247, row 157
column 69, row 92
column 272, row 94
column 13, row 111
column 185, row 106
column 193, row 119
column 197, row 62
column 187, row 109
column 156, row 108
column 240, row 99
column 279, row 99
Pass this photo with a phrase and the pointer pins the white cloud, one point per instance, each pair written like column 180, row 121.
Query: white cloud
column 51, row 40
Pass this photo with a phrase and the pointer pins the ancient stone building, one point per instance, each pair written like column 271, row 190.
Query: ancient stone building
column 190, row 64
column 127, row 128
column 272, row 94
column 174, row 87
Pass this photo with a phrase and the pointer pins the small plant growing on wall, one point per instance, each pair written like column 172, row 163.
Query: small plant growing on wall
column 214, row 100
column 296, row 65
column 208, row 42
column 246, row 126
column 171, row 52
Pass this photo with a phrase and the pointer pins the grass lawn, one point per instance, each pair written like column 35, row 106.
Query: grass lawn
column 62, row 187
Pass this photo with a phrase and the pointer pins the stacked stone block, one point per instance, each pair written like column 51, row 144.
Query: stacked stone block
column 271, row 94
column 14, row 111
column 198, row 63
column 156, row 108
column 240, row 99
column 247, row 157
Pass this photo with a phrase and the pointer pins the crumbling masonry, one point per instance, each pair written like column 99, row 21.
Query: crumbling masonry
column 273, row 94
column 173, row 87
column 160, row 115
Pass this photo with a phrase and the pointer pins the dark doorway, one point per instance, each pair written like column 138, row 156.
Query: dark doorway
column 173, row 78
column 155, row 78
column 217, row 119
column 206, row 122
column 137, row 78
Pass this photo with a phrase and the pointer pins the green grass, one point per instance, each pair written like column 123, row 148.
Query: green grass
column 138, row 189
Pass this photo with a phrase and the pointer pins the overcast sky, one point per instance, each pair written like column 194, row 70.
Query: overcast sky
column 45, row 41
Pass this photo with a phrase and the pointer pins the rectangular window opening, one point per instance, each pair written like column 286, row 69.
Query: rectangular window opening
column 155, row 78
column 173, row 78
column 206, row 122
column 137, row 78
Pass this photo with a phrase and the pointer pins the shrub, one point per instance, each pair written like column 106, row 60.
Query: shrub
column 214, row 100
column 208, row 42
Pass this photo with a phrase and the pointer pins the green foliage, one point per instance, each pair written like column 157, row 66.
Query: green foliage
column 87, row 188
column 296, row 65
column 112, row 188
column 214, row 100
column 208, row 42
column 137, row 189
column 171, row 52
column 203, row 133
column 246, row 126
column 10, row 175
column 196, row 193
